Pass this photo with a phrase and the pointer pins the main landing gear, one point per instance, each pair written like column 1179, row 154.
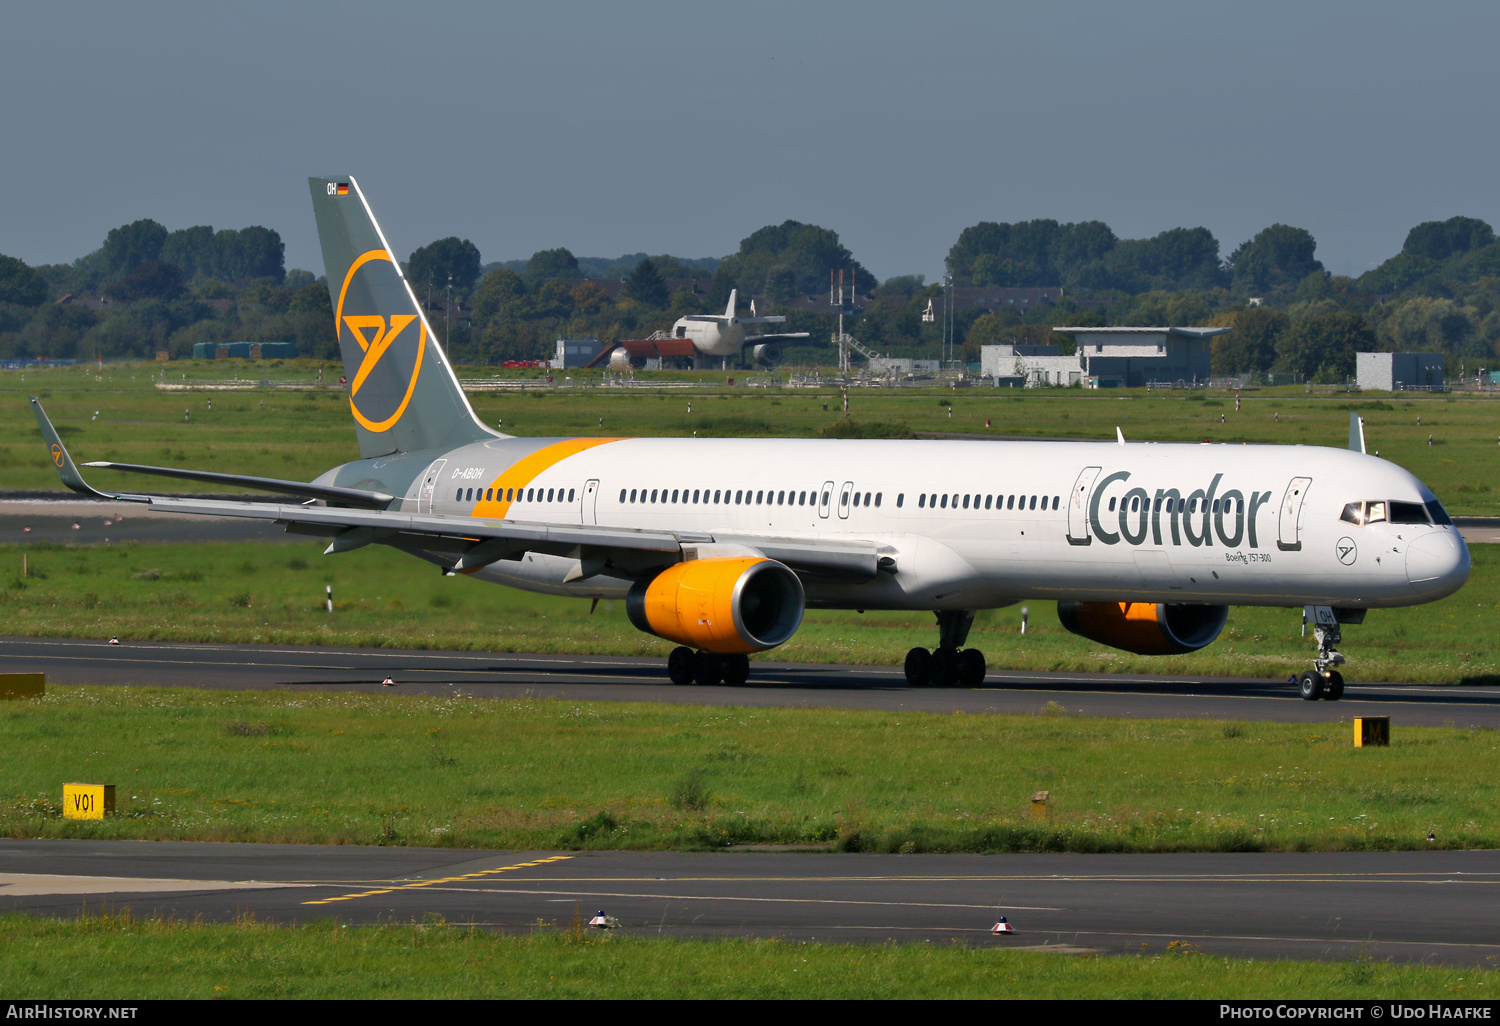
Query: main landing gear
column 684, row 666
column 1323, row 681
column 950, row 664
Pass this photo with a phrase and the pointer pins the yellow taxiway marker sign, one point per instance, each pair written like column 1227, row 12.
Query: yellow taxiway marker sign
column 88, row 801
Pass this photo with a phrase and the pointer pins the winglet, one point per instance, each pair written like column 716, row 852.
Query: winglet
column 1356, row 432
column 64, row 463
column 1119, row 434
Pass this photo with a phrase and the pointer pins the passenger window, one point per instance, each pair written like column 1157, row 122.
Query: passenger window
column 1033, row 502
column 460, row 496
column 570, row 495
column 987, row 500
column 716, row 496
column 738, row 496
column 867, row 498
column 781, row 498
column 966, row 502
column 549, row 494
column 1111, row 505
column 695, row 496
column 622, row 496
column 877, row 500
column 825, row 496
column 802, row 498
column 1010, row 502
column 1056, row 501
column 759, row 497
column 921, row 501
column 844, row 499
column 945, row 502
column 510, row 494
column 900, row 499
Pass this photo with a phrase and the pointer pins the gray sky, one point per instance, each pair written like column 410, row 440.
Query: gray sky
column 683, row 127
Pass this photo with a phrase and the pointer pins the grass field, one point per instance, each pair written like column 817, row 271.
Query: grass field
column 274, row 592
column 117, row 957
column 301, row 434
column 531, row 774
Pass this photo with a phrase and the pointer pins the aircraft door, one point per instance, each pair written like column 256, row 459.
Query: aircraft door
column 824, row 498
column 1078, row 507
column 429, row 484
column 844, row 492
column 590, row 508
column 1289, row 537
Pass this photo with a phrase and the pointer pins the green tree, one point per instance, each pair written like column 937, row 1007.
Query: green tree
column 1424, row 324
column 500, row 296
column 131, row 245
column 1321, row 347
column 1439, row 240
column 194, row 250
column 552, row 263
column 800, row 255
column 1251, row 346
column 646, row 285
column 154, row 279
column 1278, row 257
column 435, row 264
column 20, row 284
column 1026, row 253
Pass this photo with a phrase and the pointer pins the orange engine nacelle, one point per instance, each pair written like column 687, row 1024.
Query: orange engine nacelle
column 1145, row 628
column 726, row 606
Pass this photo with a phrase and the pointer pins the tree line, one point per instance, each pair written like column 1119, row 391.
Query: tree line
column 147, row 289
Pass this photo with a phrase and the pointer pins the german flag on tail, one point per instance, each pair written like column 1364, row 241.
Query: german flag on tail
column 343, row 189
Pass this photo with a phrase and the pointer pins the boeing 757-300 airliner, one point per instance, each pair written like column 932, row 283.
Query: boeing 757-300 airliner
column 720, row 544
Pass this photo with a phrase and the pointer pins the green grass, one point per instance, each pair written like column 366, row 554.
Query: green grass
column 531, row 774
column 274, row 592
column 117, row 957
column 301, row 434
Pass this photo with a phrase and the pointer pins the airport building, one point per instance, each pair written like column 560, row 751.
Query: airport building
column 1113, row 357
column 575, row 352
column 1397, row 372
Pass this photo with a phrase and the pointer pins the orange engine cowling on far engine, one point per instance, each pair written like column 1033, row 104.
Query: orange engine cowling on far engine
column 1145, row 628
column 725, row 606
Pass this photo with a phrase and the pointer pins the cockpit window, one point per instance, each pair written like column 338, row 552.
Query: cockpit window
column 1439, row 514
column 1408, row 513
column 1377, row 512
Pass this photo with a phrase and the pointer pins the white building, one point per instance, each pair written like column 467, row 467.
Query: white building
column 1395, row 372
column 1114, row 357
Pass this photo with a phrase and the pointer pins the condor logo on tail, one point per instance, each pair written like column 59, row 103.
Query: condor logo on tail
column 382, row 386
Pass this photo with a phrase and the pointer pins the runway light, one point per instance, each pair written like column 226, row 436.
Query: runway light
column 1003, row 926
column 602, row 921
column 114, row 641
column 1432, row 838
column 388, row 683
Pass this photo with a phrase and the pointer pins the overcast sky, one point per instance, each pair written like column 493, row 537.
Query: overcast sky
column 681, row 128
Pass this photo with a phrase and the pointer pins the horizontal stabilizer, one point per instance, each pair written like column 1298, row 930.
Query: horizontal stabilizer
column 329, row 493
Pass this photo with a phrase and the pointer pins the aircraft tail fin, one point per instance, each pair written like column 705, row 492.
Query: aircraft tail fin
column 402, row 390
column 733, row 296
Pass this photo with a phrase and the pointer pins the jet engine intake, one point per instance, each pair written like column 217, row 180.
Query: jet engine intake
column 1145, row 628
column 725, row 606
column 768, row 354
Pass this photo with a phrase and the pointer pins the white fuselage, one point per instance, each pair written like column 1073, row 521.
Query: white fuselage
column 722, row 337
column 971, row 525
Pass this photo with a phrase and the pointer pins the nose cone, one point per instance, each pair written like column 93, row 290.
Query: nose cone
column 1437, row 564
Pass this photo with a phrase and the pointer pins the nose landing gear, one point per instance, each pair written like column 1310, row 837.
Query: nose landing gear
column 949, row 665
column 1323, row 680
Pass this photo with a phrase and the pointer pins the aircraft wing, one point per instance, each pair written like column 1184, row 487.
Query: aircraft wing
column 470, row 542
column 785, row 336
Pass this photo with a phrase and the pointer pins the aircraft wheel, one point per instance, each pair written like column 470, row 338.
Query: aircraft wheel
column 680, row 665
column 736, row 669
column 1311, row 686
column 708, row 668
column 918, row 667
column 945, row 667
column 971, row 668
column 1333, row 688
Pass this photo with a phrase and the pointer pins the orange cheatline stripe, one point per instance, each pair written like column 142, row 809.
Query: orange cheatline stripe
column 525, row 470
column 446, row 879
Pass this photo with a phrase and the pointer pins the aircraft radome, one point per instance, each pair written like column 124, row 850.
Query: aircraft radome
column 720, row 544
